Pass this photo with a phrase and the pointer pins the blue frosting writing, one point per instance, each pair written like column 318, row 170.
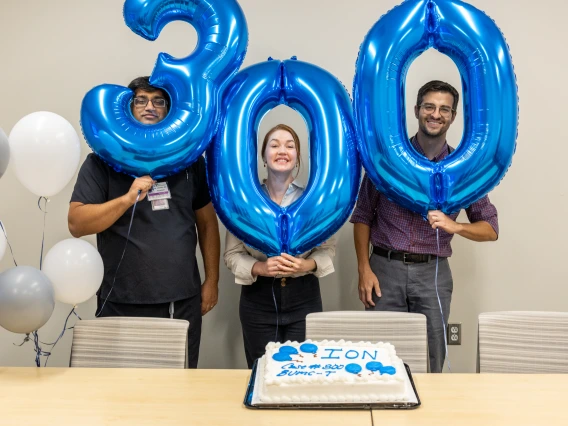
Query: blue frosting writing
column 353, row 368
column 330, row 355
column 351, row 354
column 296, row 373
column 373, row 357
column 293, row 366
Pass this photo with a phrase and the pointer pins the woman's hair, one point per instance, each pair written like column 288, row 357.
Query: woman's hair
column 294, row 136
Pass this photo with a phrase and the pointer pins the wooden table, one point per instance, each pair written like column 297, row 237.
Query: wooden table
column 76, row 396
column 79, row 397
column 485, row 400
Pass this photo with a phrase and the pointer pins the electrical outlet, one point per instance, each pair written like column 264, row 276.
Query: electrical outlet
column 455, row 333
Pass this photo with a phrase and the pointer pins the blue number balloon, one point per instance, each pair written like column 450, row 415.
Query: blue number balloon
column 194, row 83
column 473, row 41
column 335, row 170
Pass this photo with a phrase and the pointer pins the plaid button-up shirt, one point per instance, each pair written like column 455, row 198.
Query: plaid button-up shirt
column 395, row 228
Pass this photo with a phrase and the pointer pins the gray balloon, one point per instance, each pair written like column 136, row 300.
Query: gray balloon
column 4, row 152
column 27, row 299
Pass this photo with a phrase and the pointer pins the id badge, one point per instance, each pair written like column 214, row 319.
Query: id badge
column 159, row 191
column 160, row 205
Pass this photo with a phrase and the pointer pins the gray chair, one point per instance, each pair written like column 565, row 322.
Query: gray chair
column 523, row 342
column 129, row 342
column 406, row 331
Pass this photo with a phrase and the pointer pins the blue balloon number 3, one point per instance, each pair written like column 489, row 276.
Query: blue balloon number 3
column 477, row 47
column 194, row 83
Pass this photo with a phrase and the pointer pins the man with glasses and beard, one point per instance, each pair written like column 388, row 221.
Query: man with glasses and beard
column 400, row 273
column 158, row 275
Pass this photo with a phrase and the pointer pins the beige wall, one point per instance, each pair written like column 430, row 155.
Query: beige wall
column 53, row 52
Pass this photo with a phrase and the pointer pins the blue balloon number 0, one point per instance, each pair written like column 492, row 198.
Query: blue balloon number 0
column 194, row 83
column 335, row 169
column 473, row 41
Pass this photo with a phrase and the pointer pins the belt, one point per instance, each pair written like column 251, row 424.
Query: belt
column 406, row 258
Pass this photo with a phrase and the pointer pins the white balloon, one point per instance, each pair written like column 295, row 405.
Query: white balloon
column 45, row 151
column 4, row 152
column 75, row 268
column 3, row 242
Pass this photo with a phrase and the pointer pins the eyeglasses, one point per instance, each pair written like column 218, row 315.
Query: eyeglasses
column 445, row 111
column 142, row 102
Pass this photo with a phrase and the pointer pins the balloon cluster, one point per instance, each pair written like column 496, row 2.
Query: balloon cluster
column 213, row 107
column 44, row 150
column 206, row 92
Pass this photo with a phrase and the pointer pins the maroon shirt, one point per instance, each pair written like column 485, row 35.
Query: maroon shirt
column 395, row 228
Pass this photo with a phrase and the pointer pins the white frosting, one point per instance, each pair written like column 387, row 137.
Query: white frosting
column 331, row 372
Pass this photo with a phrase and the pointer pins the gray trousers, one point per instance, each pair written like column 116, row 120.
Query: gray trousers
column 411, row 288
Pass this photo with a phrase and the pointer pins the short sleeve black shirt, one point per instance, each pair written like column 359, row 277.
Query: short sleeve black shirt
column 159, row 265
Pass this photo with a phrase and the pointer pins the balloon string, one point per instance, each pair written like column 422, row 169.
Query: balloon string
column 43, row 233
column 122, row 257
column 60, row 335
column 37, row 348
column 26, row 339
column 440, row 303
column 275, row 307
column 8, row 242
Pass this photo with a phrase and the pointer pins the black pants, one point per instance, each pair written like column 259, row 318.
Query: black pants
column 263, row 321
column 187, row 309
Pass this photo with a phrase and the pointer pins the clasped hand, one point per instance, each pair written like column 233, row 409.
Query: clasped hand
column 284, row 265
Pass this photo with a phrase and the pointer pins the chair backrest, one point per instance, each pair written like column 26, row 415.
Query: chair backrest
column 406, row 331
column 523, row 342
column 129, row 342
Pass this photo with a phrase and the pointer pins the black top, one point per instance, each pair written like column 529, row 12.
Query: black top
column 159, row 265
